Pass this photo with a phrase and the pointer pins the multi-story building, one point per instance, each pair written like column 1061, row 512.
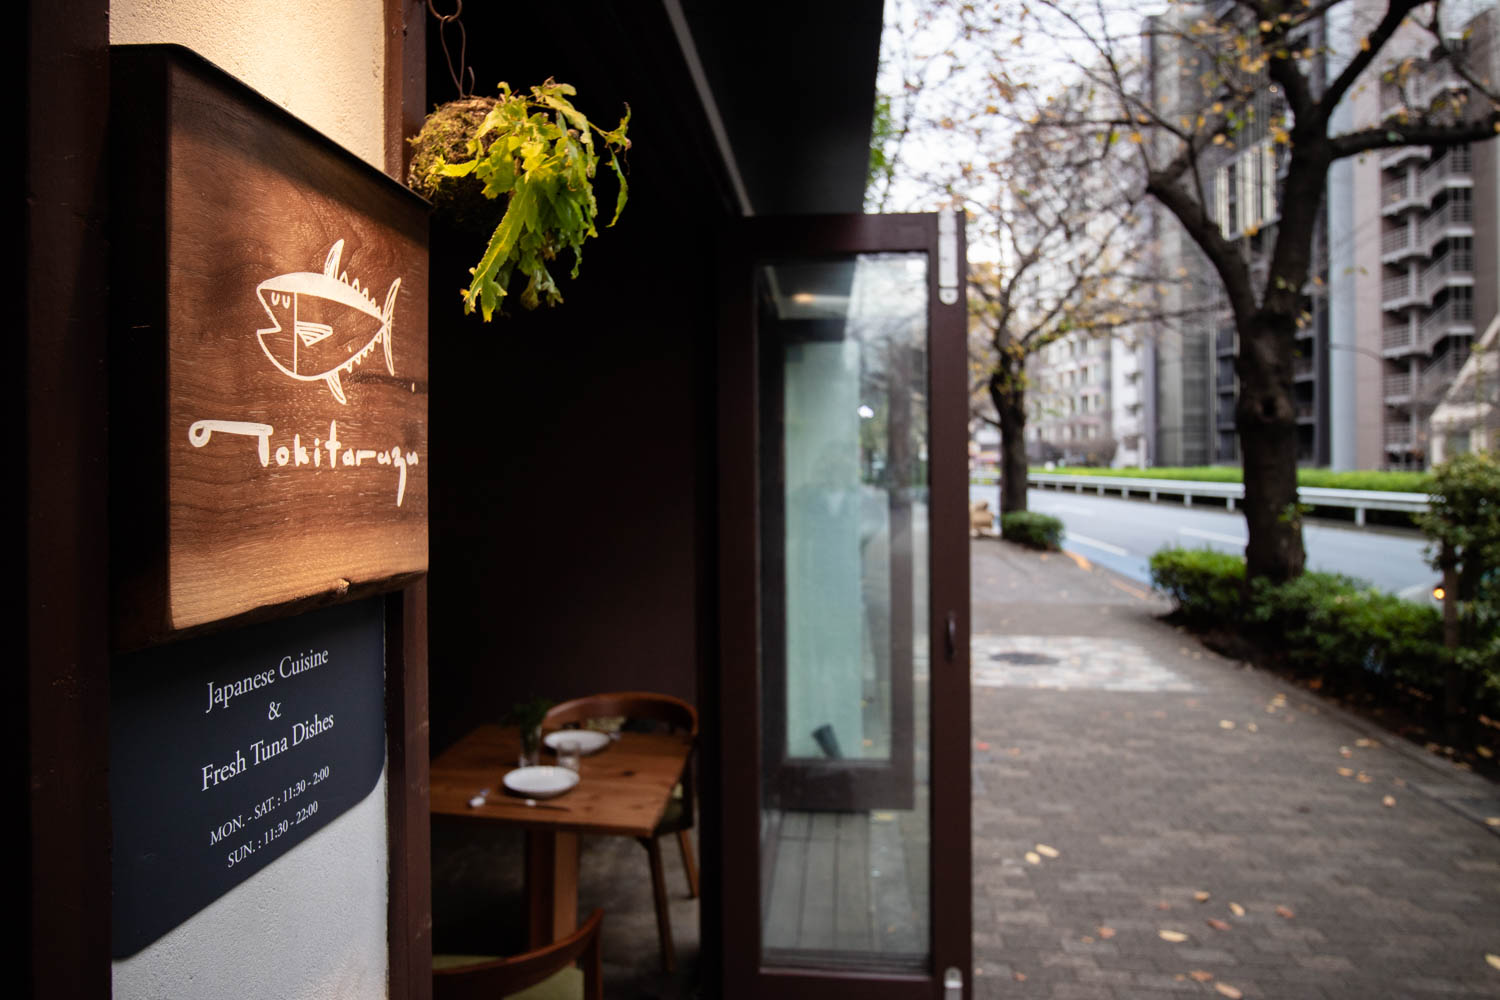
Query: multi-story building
column 1177, row 358
column 1439, row 217
column 1070, row 418
column 1089, row 402
column 1130, row 410
column 1192, row 360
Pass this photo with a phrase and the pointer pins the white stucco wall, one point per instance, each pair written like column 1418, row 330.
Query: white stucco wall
column 313, row 923
column 324, row 62
column 309, row 926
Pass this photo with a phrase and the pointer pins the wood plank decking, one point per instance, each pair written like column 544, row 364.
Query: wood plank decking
column 846, row 888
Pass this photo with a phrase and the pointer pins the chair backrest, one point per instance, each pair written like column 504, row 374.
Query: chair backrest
column 504, row 976
column 663, row 708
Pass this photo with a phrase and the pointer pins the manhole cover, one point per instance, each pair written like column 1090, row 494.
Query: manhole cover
column 1024, row 659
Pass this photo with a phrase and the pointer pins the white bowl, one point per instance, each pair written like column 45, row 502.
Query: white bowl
column 543, row 782
column 586, row 740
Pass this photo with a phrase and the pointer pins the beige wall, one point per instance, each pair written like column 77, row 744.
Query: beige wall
column 323, row 61
column 313, row 923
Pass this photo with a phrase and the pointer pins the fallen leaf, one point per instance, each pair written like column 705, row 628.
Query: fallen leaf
column 1363, row 778
column 1164, row 905
column 1399, row 782
column 1315, row 684
column 1176, row 937
column 1494, row 960
column 1201, row 896
column 1032, row 857
column 1366, row 742
column 1217, row 924
column 1253, row 728
column 1345, row 752
column 1484, row 752
column 1237, row 909
column 1201, row 976
column 1020, row 977
column 1228, row 991
column 1492, row 821
column 1388, row 801
column 1106, row 932
column 1285, row 911
column 1086, row 939
column 1226, row 723
column 1346, row 772
column 981, row 745
column 1047, row 852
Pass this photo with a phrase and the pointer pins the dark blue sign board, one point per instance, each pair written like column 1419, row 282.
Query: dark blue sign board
column 228, row 751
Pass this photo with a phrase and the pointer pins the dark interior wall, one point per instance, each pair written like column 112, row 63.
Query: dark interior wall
column 569, row 446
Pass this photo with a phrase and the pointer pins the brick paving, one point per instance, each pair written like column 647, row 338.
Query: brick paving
column 1176, row 788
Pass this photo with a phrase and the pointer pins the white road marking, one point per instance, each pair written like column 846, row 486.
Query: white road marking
column 1065, row 508
column 1094, row 543
column 1213, row 536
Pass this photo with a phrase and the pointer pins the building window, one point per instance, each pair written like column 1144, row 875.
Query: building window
column 1461, row 301
column 1461, row 201
column 1463, row 253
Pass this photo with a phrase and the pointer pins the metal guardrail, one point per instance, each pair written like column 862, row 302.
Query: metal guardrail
column 1230, row 493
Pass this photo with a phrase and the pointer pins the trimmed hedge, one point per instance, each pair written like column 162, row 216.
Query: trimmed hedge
column 1322, row 623
column 1398, row 482
column 1207, row 586
column 1338, row 626
column 1037, row 531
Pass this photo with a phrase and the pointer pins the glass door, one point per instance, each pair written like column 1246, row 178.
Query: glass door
column 845, row 615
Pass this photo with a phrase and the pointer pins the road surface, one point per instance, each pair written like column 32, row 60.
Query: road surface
column 1122, row 534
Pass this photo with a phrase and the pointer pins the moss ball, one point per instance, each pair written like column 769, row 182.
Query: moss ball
column 445, row 138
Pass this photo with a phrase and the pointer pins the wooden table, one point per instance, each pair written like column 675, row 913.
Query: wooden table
column 623, row 789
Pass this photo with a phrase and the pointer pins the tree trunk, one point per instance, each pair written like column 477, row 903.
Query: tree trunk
column 1266, row 420
column 1008, row 393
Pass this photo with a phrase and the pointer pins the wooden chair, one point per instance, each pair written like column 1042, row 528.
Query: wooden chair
column 545, row 973
column 678, row 715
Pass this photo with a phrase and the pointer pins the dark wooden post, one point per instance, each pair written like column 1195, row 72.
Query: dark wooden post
column 57, row 406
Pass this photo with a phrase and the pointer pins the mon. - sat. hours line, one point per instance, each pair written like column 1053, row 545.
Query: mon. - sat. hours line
column 219, row 695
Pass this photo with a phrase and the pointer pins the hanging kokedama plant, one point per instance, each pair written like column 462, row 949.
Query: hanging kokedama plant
column 532, row 153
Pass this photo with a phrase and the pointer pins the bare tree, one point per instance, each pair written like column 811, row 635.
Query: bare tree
column 1201, row 88
column 1064, row 211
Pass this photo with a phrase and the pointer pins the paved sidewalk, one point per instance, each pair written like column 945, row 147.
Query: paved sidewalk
column 1131, row 784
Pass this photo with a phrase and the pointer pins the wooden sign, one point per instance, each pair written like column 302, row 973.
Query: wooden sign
column 268, row 357
column 275, row 731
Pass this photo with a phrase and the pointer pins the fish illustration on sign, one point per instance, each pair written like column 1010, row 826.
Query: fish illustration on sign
column 322, row 323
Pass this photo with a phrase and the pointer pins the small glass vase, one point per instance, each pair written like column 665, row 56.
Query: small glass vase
column 531, row 748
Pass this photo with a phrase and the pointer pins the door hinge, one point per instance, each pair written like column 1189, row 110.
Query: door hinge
column 947, row 257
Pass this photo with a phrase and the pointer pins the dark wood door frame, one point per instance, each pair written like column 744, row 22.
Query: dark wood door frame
column 735, row 766
column 409, row 823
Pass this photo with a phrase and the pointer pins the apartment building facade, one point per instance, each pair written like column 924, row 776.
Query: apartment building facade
column 1439, row 233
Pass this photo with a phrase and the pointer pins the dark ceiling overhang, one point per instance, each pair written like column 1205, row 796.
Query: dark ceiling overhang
column 793, row 86
column 767, row 103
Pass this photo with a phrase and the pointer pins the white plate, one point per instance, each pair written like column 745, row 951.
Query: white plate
column 544, row 782
column 587, row 740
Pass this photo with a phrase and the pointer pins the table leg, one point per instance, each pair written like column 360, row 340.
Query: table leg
column 551, row 885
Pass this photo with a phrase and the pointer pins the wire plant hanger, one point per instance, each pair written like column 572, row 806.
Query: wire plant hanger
column 464, row 73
